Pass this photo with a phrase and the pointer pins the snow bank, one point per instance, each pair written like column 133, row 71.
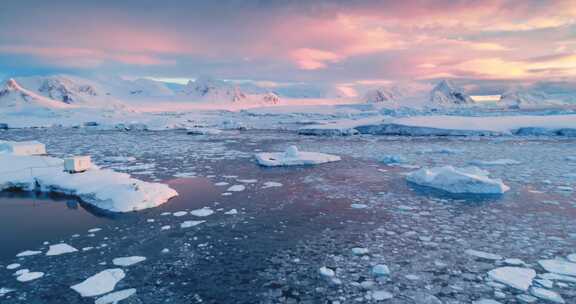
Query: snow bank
column 458, row 180
column 293, row 157
column 103, row 188
column 444, row 125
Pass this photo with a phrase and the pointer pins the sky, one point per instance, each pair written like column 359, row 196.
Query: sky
column 339, row 41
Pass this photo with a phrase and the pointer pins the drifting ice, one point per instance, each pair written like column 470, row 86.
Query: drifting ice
column 293, row 157
column 105, row 189
column 458, row 180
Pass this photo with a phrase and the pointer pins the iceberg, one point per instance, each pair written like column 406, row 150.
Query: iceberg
column 472, row 180
column 102, row 188
column 293, row 157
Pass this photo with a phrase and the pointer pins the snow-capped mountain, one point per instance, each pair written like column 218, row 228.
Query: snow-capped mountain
column 70, row 90
column 383, row 95
column 447, row 94
column 208, row 89
column 145, row 88
column 15, row 98
column 519, row 99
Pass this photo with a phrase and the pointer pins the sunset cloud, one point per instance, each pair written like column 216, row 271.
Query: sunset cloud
column 326, row 41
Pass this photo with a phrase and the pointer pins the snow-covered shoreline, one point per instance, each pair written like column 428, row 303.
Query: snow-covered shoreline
column 102, row 188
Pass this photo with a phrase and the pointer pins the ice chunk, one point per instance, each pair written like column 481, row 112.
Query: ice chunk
column 327, row 272
column 547, row 295
column 381, row 295
column 293, row 157
column 486, row 301
column 231, row 212
column 100, row 283
column 28, row 253
column 115, row 297
column 29, row 276
column 458, row 180
column 128, row 261
column 105, row 189
column 497, row 162
column 483, row 255
column 271, row 185
column 13, row 266
column 22, row 147
column 559, row 266
column 515, row 277
column 202, row 212
column 236, row 188
column 59, row 249
column 188, row 224
column 380, row 270
column 203, row 131
column 179, row 213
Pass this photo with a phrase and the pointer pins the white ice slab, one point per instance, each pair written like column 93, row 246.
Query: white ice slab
column 458, row 180
column 105, row 189
column 293, row 157
column 100, row 283
column 128, row 261
column 59, row 249
column 515, row 277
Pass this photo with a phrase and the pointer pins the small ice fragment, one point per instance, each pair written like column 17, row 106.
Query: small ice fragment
column 115, row 297
column 188, row 224
column 128, row 261
column 29, row 276
column 202, row 212
column 59, row 249
column 236, row 188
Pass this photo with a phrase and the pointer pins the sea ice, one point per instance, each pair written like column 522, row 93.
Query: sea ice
column 236, row 188
column 458, row 180
column 28, row 253
column 103, row 188
column 202, row 212
column 29, row 276
column 59, row 249
column 515, row 277
column 559, row 266
column 128, row 261
column 483, row 255
column 115, row 297
column 293, row 157
column 271, row 185
column 188, row 224
column 100, row 283
column 547, row 295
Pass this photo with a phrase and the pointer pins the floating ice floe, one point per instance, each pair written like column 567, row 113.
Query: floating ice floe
column 236, row 188
column 486, row 301
column 497, row 162
column 188, row 224
column 202, row 212
column 293, row 157
column 458, row 180
column 483, row 255
column 179, row 213
column 559, row 266
column 59, row 249
column 103, row 188
column 547, row 295
column 100, row 283
column 271, row 185
column 231, row 212
column 380, row 270
column 115, row 297
column 28, row 253
column 13, row 266
column 29, row 276
column 515, row 277
column 327, row 272
column 128, row 261
column 203, row 131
